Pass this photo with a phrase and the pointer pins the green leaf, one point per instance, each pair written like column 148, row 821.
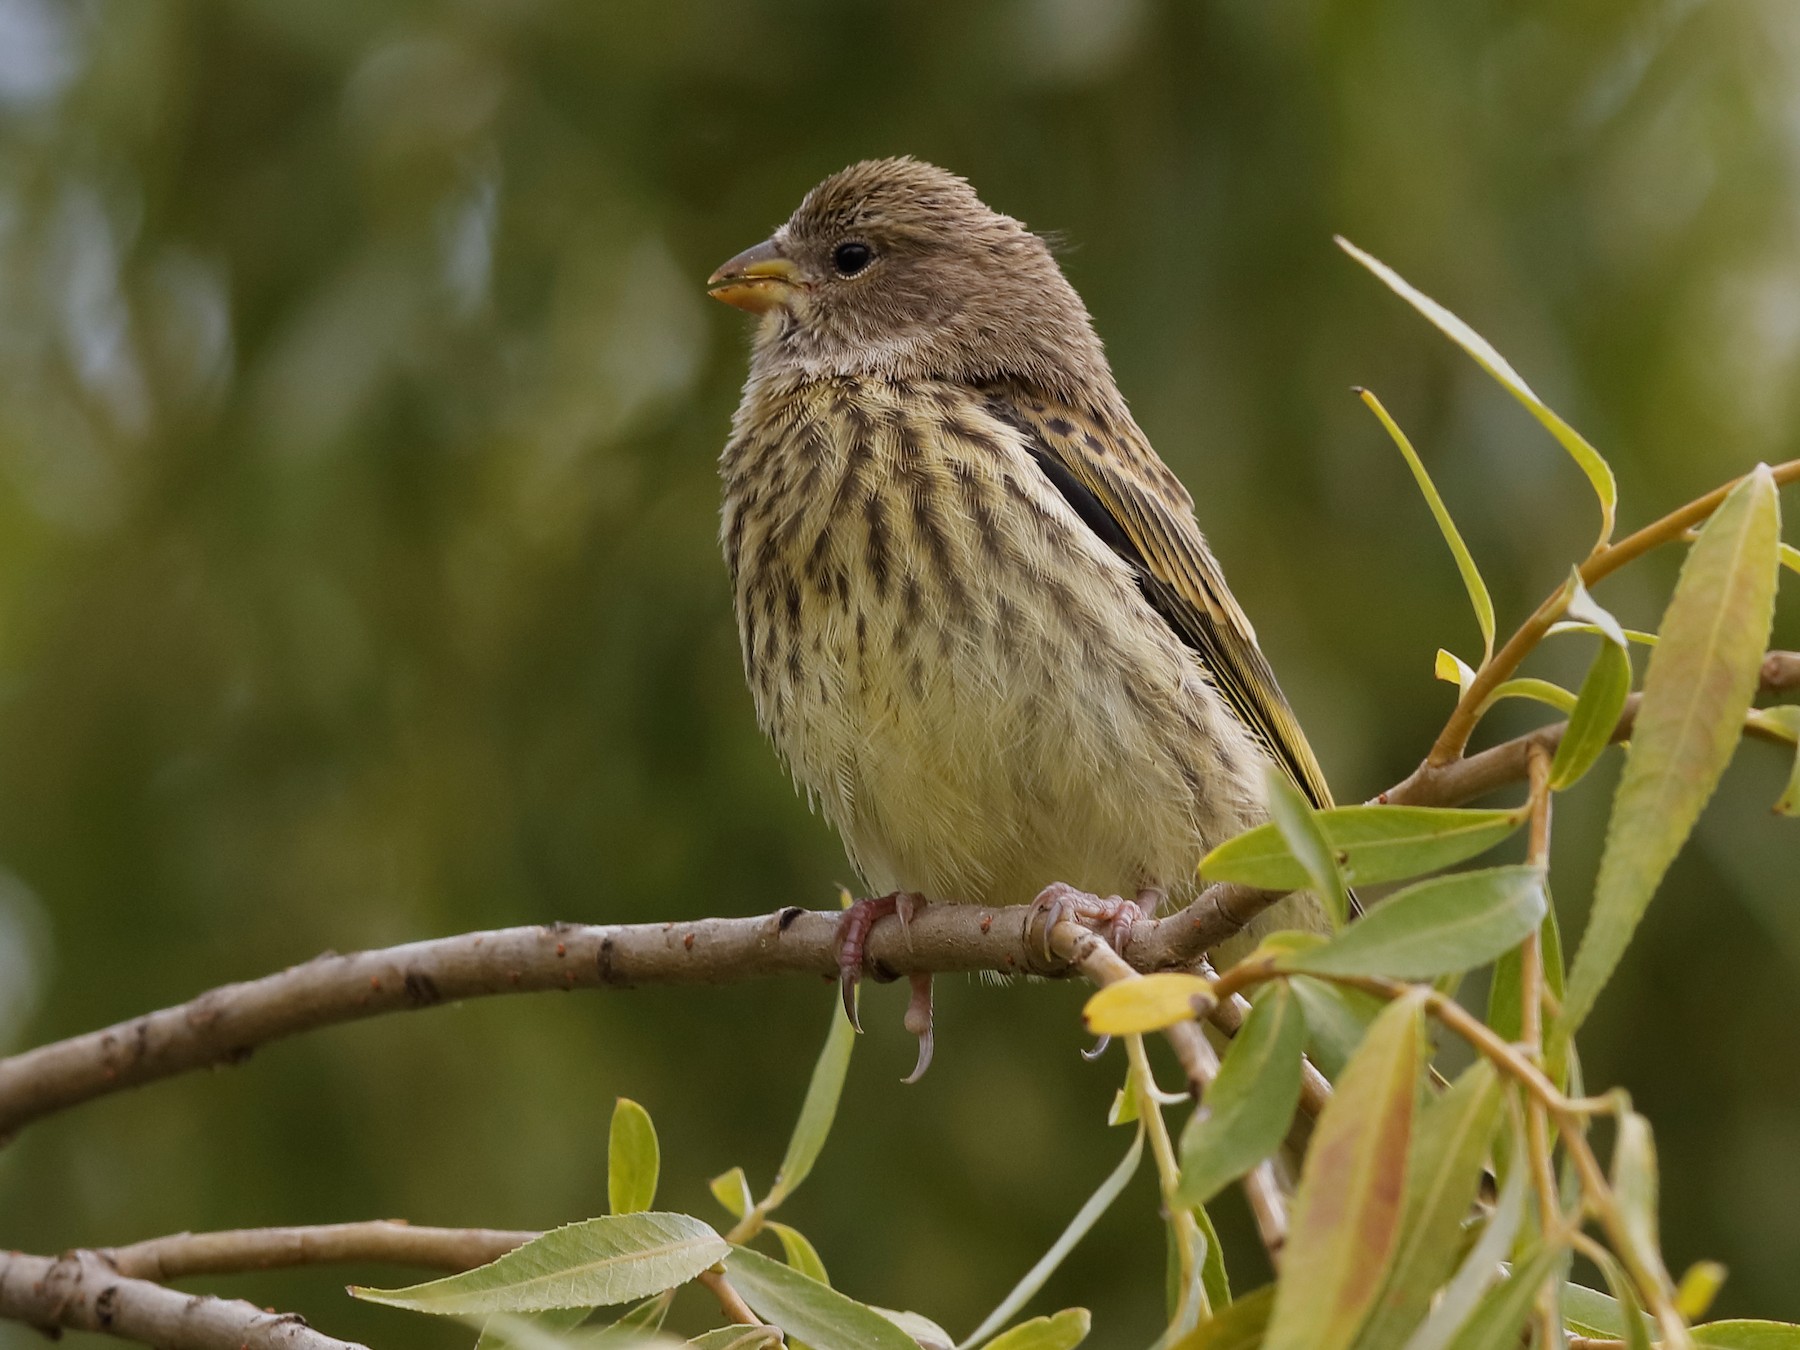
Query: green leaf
column 1336, row 1019
column 632, row 1159
column 1449, row 923
column 1239, row 1327
column 551, row 1322
column 1526, row 686
column 1636, row 1327
column 1746, row 1334
column 1372, row 843
column 813, row 1312
column 1790, row 557
column 800, row 1253
column 1596, row 716
column 1215, row 1281
column 1588, row 1312
column 1503, row 1310
column 1064, row 1331
column 1785, row 721
column 732, row 1190
column 1443, row 1176
column 582, row 1265
column 1084, row 1219
column 1636, row 635
column 538, row 1331
column 1479, row 599
column 1299, row 825
column 1701, row 678
column 818, row 1110
column 1460, row 1297
column 1250, row 1106
column 1599, row 474
column 926, row 1332
column 1346, row 1217
column 738, row 1338
column 1634, row 1183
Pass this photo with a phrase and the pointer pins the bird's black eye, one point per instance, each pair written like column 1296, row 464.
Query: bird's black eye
column 851, row 257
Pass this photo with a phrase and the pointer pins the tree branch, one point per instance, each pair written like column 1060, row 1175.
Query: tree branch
column 242, row 1249
column 80, row 1292
column 224, row 1025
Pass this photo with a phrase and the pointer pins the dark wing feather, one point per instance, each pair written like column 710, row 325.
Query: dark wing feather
column 1128, row 497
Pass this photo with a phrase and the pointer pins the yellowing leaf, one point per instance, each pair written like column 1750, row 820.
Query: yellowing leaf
column 1701, row 678
column 1148, row 1003
column 732, row 1190
column 1599, row 474
column 1063, row 1331
column 1346, row 1217
column 1452, row 669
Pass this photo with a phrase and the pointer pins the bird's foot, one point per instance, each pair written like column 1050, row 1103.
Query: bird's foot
column 853, row 937
column 1111, row 918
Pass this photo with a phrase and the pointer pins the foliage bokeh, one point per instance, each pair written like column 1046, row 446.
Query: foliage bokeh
column 358, row 578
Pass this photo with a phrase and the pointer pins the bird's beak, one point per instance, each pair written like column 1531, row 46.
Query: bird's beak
column 758, row 279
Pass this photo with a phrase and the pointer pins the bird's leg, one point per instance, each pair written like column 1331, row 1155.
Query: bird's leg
column 853, row 936
column 1111, row 918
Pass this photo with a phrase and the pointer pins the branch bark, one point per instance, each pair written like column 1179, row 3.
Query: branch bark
column 81, row 1292
column 233, row 1251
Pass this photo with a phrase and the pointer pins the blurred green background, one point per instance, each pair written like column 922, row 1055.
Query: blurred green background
column 359, row 399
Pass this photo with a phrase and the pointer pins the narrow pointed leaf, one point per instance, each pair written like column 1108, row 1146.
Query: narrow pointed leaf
column 1635, row 1327
column 732, row 1190
column 1215, row 1281
column 1599, row 474
column 1250, row 1106
column 1064, row 1331
column 1085, row 1218
column 1148, row 1003
column 1785, row 721
column 1588, row 1312
column 552, row 1323
column 1701, row 678
column 1436, row 927
column 1501, row 1315
column 1790, row 557
column 810, row 1311
column 1443, row 1176
column 1747, row 1334
column 928, row 1334
column 1239, row 1327
column 800, row 1254
column 1373, row 844
column 1700, row 1285
column 592, row 1264
column 1636, row 635
column 1479, row 600
column 1346, row 1218
column 1635, row 1188
column 1595, row 718
column 737, row 1338
column 632, row 1159
column 1539, row 691
column 1299, row 825
column 1460, row 1297
column 818, row 1110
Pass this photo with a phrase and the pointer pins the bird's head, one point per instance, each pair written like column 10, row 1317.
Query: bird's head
column 895, row 268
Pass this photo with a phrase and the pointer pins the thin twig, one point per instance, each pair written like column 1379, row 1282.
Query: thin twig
column 386, row 1240
column 81, row 1292
column 731, row 1303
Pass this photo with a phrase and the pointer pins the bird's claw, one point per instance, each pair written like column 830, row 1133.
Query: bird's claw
column 852, row 941
column 1110, row 918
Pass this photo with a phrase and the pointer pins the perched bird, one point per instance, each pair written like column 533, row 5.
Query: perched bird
column 978, row 619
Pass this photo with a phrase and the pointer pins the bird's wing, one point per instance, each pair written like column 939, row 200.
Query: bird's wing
column 1127, row 496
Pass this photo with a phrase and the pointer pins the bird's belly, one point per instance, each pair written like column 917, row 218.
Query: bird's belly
column 973, row 763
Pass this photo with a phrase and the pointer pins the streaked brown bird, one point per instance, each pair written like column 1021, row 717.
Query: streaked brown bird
column 979, row 620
